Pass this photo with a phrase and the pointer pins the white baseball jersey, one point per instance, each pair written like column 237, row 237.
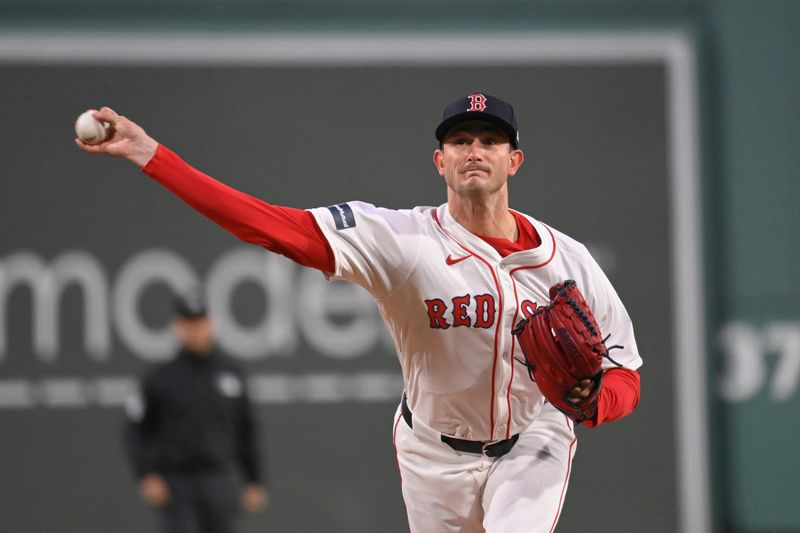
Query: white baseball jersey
column 450, row 302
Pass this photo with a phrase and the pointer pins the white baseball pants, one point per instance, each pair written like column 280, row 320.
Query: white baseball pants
column 447, row 491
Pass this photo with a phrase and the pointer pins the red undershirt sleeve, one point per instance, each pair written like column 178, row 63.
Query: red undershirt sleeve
column 288, row 231
column 618, row 398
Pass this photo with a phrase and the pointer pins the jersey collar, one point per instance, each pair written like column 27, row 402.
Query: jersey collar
column 471, row 242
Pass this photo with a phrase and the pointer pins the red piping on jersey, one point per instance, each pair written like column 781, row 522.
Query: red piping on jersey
column 514, row 321
column 564, row 486
column 499, row 319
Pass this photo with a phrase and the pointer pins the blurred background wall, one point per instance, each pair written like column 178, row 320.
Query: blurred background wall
column 114, row 246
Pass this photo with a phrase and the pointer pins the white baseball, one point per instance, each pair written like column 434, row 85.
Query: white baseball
column 90, row 130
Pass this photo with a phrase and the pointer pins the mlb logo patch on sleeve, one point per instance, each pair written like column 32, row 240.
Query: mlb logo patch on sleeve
column 343, row 216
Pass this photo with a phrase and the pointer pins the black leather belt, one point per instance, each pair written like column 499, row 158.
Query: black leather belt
column 496, row 448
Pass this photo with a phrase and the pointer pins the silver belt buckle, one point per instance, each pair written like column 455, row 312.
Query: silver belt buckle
column 487, row 444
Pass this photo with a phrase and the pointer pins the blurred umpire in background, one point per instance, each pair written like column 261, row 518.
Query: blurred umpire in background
column 190, row 434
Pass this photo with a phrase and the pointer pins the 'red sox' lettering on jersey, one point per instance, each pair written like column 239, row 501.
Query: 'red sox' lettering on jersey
column 462, row 312
column 477, row 311
column 528, row 307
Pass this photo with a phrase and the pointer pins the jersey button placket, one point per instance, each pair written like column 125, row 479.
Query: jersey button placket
column 507, row 372
column 496, row 375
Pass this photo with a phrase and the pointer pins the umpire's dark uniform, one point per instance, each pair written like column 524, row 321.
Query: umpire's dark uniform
column 192, row 424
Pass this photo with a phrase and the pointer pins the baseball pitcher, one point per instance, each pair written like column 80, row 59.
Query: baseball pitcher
column 507, row 331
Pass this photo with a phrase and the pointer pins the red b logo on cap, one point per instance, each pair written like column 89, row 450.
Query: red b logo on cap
column 477, row 101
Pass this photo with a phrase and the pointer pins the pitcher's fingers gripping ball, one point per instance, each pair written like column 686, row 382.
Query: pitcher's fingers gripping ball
column 89, row 129
column 106, row 132
column 564, row 351
column 97, row 130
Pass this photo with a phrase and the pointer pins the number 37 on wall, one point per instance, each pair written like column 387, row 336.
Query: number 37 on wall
column 760, row 357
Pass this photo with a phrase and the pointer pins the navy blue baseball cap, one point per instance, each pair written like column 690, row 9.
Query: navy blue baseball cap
column 191, row 304
column 480, row 106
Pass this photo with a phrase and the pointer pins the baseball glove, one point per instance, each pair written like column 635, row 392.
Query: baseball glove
column 563, row 346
